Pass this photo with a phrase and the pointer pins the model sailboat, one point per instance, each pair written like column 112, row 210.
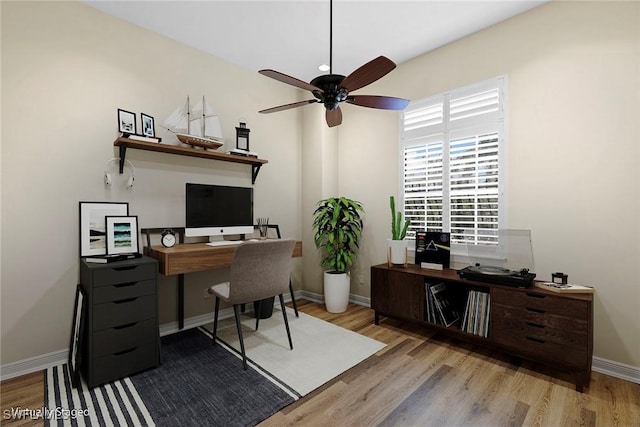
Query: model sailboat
column 201, row 123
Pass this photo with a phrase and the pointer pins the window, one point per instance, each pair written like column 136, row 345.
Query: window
column 452, row 154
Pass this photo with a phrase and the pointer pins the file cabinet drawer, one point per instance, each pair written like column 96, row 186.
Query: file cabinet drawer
column 119, row 338
column 120, row 291
column 125, row 362
column 123, row 274
column 122, row 312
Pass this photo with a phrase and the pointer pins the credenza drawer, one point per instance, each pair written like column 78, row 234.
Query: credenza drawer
column 120, row 291
column 122, row 312
column 541, row 302
column 509, row 322
column 542, row 348
column 518, row 318
column 122, row 363
column 119, row 338
column 125, row 274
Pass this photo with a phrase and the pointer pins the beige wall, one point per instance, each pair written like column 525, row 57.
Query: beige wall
column 573, row 72
column 66, row 68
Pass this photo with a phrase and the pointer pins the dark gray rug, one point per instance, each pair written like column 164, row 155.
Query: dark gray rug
column 197, row 384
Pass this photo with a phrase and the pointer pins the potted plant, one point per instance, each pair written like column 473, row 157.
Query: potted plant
column 397, row 245
column 337, row 229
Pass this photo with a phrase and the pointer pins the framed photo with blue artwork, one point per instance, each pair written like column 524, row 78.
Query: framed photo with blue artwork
column 122, row 234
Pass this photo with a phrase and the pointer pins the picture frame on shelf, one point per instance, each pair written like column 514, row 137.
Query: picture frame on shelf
column 77, row 337
column 126, row 121
column 93, row 225
column 148, row 126
column 122, row 234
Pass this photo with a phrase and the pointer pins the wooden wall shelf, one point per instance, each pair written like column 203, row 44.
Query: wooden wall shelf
column 124, row 143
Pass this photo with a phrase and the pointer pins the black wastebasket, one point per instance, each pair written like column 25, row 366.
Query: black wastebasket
column 266, row 308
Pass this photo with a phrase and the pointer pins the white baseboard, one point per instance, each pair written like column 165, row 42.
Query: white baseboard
column 616, row 369
column 39, row 363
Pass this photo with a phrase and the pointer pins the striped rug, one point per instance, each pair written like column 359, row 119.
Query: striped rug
column 114, row 404
column 205, row 385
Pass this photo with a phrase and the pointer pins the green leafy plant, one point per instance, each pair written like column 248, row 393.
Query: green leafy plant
column 337, row 229
column 398, row 229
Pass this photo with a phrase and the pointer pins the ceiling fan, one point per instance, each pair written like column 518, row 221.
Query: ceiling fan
column 332, row 89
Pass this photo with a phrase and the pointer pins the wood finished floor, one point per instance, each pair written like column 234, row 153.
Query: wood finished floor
column 422, row 380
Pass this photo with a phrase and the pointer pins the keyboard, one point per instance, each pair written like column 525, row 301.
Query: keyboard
column 226, row 243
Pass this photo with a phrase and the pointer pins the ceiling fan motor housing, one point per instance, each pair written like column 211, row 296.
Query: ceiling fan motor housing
column 332, row 94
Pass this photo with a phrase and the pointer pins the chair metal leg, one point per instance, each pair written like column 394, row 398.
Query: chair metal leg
column 258, row 312
column 236, row 311
column 286, row 321
column 215, row 320
column 293, row 299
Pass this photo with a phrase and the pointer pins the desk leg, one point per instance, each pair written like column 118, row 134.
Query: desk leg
column 180, row 301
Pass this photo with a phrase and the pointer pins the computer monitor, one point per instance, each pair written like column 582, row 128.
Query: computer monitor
column 218, row 210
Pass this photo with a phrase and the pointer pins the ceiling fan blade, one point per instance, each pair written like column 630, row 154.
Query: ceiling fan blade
column 287, row 106
column 289, row 80
column 368, row 73
column 334, row 117
column 382, row 102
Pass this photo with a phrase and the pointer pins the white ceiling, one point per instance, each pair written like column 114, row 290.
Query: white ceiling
column 293, row 36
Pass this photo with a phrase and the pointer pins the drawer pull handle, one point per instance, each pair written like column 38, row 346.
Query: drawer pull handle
column 120, row 353
column 124, row 285
column 535, row 310
column 122, row 301
column 536, row 340
column 535, row 325
column 131, row 267
column 128, row 325
column 535, row 295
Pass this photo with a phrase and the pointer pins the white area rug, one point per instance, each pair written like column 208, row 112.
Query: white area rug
column 321, row 350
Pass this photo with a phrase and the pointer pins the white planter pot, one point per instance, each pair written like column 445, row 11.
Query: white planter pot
column 336, row 291
column 397, row 251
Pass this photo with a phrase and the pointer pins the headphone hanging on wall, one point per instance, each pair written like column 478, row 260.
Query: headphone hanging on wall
column 107, row 175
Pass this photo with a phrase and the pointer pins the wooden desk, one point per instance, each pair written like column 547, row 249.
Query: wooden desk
column 192, row 257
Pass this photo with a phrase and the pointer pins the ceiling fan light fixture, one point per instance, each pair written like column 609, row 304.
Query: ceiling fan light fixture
column 332, row 89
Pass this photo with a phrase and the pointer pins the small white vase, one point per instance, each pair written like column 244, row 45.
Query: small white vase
column 397, row 251
column 336, row 291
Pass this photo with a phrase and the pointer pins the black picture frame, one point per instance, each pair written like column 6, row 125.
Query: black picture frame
column 122, row 234
column 126, row 121
column 148, row 125
column 93, row 225
column 76, row 343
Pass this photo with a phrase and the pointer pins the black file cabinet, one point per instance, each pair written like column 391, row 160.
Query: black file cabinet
column 121, row 333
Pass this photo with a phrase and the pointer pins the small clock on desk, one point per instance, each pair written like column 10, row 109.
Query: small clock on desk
column 168, row 238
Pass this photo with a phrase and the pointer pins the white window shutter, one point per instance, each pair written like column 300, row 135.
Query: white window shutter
column 451, row 145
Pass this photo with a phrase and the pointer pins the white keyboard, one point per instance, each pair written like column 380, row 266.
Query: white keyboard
column 226, row 243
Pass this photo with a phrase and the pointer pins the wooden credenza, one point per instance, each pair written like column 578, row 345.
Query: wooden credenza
column 545, row 327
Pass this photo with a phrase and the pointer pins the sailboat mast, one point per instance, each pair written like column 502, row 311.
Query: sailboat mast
column 188, row 117
column 203, row 118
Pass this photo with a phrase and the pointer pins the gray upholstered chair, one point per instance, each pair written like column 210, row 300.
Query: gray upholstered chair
column 259, row 270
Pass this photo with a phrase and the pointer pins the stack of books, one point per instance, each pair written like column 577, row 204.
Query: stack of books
column 143, row 138
column 105, row 259
column 245, row 153
column 564, row 288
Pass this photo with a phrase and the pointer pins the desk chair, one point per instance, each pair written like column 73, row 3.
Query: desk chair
column 293, row 297
column 259, row 270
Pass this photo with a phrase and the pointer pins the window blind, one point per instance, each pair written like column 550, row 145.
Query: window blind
column 451, row 151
